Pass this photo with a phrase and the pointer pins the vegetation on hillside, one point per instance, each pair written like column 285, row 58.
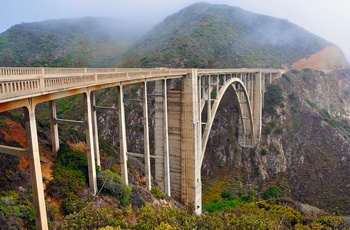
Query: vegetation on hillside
column 81, row 42
column 202, row 36
column 206, row 36
column 308, row 129
column 220, row 36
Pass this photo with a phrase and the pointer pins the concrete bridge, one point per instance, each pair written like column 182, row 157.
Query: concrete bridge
column 183, row 118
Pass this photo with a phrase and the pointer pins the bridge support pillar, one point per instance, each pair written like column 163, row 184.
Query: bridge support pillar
column 146, row 139
column 122, row 138
column 35, row 168
column 54, row 128
column 191, row 184
column 174, row 115
column 90, row 143
column 257, row 106
column 95, row 129
column 161, row 137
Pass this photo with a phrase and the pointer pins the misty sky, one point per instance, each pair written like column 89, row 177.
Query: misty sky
column 329, row 19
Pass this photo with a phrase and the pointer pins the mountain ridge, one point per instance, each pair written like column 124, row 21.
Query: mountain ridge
column 201, row 35
column 206, row 35
column 75, row 42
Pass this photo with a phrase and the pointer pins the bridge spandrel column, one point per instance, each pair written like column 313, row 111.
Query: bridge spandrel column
column 161, row 138
column 54, row 128
column 174, row 116
column 95, row 129
column 35, row 169
column 122, row 138
column 90, row 143
column 146, row 139
column 191, row 143
column 257, row 106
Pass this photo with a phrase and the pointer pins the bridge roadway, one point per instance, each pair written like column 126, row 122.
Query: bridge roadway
column 183, row 118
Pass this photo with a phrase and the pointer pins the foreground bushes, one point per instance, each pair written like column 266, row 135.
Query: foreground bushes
column 112, row 184
column 263, row 215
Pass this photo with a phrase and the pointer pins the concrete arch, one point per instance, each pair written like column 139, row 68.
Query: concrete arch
column 234, row 82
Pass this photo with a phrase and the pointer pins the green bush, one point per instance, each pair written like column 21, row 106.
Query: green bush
column 267, row 130
column 155, row 191
column 220, row 205
column 289, row 215
column 263, row 151
column 69, row 172
column 273, row 97
column 279, row 130
column 225, row 194
column 287, row 77
column 268, row 127
column 113, row 185
column 333, row 222
column 64, row 181
column 272, row 192
column 72, row 203
column 75, row 160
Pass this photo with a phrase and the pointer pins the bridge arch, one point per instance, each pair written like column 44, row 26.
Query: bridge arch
column 246, row 127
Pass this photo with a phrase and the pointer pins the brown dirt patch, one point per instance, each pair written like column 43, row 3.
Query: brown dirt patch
column 18, row 133
column 78, row 146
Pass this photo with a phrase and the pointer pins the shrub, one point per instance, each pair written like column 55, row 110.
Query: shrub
column 72, row 203
column 113, row 185
column 29, row 214
column 225, row 194
column 75, row 160
column 272, row 192
column 287, row 77
column 91, row 218
column 279, row 130
column 268, row 127
column 164, row 226
column 155, row 191
column 289, row 214
column 212, row 207
column 294, row 109
column 274, row 96
column 263, row 151
column 69, row 172
column 65, row 181
column 333, row 222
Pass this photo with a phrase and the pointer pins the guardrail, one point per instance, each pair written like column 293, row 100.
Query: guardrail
column 55, row 79
column 19, row 71
column 16, row 82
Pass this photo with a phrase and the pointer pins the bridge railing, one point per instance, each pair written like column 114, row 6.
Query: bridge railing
column 26, row 81
column 17, row 85
column 19, row 71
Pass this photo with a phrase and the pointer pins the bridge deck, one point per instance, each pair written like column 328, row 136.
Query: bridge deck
column 20, row 83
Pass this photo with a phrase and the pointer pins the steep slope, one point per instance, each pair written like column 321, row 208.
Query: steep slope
column 305, row 144
column 328, row 58
column 90, row 42
column 216, row 36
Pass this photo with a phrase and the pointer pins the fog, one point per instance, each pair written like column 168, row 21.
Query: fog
column 329, row 19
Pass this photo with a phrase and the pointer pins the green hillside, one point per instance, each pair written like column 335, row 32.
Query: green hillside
column 214, row 36
column 80, row 42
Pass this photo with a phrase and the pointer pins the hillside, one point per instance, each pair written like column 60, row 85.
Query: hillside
column 219, row 36
column 305, row 144
column 328, row 58
column 79, row 42
column 304, row 152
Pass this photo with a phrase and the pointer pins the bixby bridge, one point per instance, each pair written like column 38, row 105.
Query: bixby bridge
column 182, row 122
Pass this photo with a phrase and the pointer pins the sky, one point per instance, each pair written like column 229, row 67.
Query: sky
column 329, row 19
